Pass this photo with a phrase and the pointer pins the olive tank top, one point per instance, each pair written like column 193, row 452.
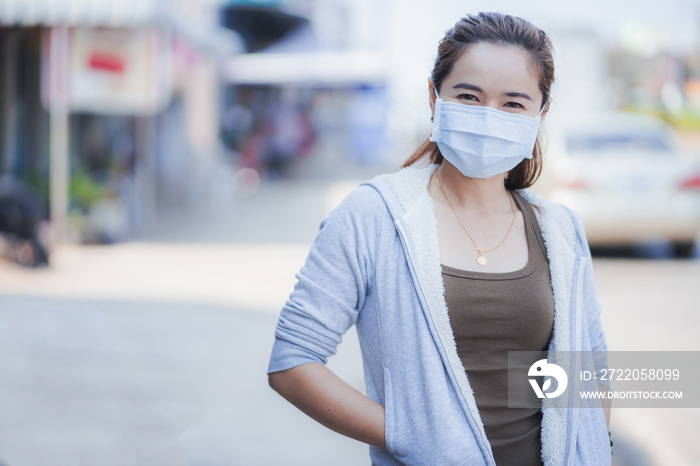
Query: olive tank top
column 491, row 314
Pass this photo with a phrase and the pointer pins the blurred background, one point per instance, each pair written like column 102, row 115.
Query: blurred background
column 165, row 165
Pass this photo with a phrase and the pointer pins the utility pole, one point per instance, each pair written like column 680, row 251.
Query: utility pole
column 58, row 137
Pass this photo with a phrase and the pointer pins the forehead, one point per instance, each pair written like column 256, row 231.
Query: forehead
column 495, row 67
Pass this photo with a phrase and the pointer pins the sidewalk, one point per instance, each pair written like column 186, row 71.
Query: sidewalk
column 154, row 352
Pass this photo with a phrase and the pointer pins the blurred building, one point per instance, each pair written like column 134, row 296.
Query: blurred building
column 106, row 105
column 312, row 83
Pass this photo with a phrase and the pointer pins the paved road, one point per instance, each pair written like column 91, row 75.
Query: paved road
column 154, row 352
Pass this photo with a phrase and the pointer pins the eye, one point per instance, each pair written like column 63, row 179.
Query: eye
column 469, row 97
column 514, row 105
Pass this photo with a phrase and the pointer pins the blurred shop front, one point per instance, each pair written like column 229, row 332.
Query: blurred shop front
column 302, row 100
column 106, row 106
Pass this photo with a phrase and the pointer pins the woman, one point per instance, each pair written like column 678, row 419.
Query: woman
column 444, row 267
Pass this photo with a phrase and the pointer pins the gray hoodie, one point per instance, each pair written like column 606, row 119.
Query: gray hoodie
column 375, row 263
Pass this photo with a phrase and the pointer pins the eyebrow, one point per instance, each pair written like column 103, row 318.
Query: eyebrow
column 519, row 94
column 472, row 87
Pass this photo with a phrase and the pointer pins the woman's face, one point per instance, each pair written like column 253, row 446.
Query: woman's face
column 492, row 75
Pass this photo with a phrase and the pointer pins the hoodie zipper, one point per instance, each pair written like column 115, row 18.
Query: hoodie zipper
column 471, row 409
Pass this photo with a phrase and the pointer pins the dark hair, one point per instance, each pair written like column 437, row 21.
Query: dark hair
column 499, row 29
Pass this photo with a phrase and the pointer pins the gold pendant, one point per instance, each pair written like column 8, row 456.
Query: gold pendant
column 481, row 260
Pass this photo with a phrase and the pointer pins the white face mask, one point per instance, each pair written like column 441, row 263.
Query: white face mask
column 482, row 141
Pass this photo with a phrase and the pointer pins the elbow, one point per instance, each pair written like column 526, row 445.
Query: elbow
column 273, row 380
column 288, row 381
column 276, row 381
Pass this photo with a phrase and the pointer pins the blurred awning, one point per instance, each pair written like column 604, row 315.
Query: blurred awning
column 307, row 68
column 260, row 27
column 122, row 14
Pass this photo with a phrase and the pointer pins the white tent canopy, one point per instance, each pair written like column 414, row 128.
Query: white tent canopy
column 314, row 68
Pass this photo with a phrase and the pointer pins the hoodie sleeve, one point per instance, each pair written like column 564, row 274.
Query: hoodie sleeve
column 333, row 283
column 592, row 307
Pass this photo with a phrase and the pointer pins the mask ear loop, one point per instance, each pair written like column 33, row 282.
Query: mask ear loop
column 546, row 105
column 437, row 97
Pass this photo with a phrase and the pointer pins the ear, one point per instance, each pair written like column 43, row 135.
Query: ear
column 546, row 109
column 431, row 96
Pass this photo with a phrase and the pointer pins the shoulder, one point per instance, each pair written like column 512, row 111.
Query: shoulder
column 352, row 228
column 363, row 208
column 362, row 197
column 385, row 195
column 556, row 215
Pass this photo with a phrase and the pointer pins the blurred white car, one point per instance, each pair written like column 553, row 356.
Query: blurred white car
column 630, row 178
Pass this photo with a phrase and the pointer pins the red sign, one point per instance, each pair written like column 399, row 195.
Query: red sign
column 105, row 61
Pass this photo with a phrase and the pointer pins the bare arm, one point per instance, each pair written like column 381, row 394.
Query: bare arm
column 318, row 392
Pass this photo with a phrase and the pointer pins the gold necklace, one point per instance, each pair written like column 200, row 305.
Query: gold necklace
column 481, row 260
